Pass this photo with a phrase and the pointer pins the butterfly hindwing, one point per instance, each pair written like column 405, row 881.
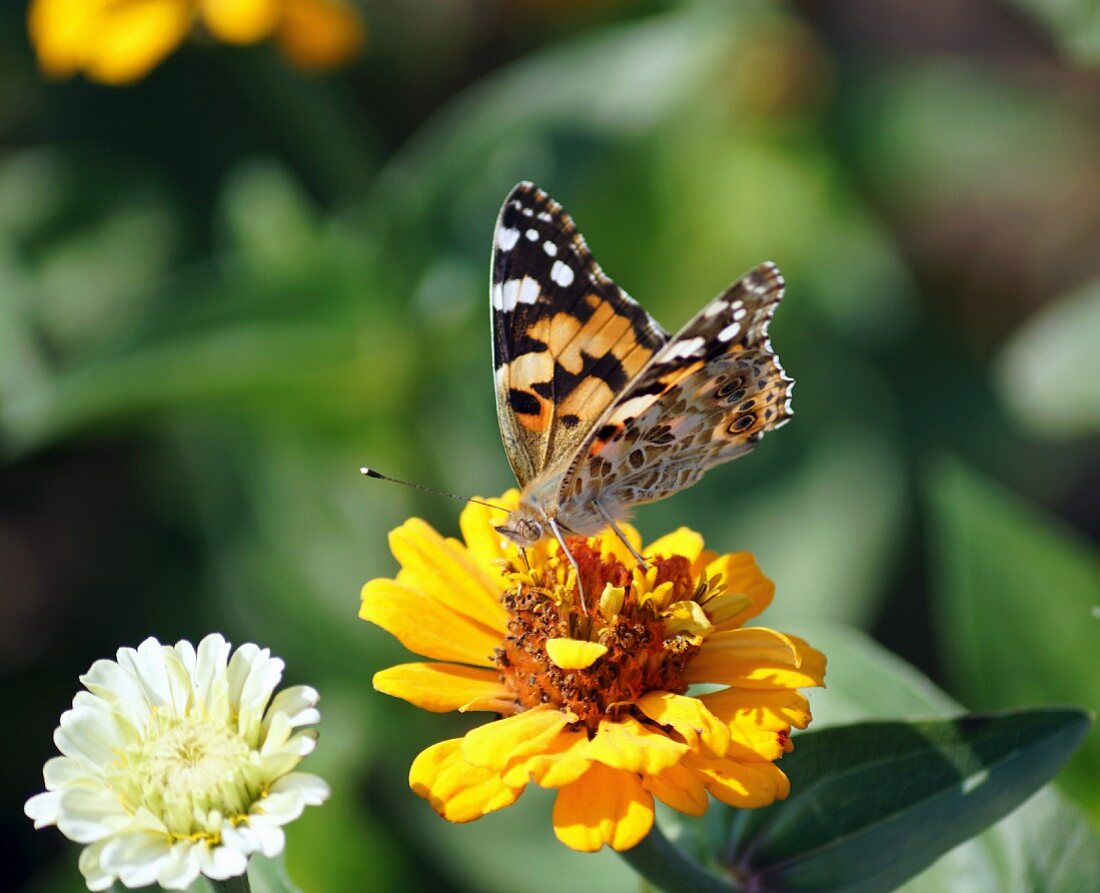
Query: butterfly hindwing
column 706, row 397
column 566, row 340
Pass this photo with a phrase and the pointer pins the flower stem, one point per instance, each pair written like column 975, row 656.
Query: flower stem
column 238, row 884
column 669, row 868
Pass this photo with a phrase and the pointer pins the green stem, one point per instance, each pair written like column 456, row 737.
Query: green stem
column 238, row 884
column 669, row 868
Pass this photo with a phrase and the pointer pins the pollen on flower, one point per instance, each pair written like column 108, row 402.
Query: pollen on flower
column 646, row 647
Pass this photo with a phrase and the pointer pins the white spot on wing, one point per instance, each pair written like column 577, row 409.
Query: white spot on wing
column 507, row 238
column 533, row 235
column 550, row 248
column 544, row 216
column 527, row 212
column 740, row 313
column 562, row 274
column 729, row 331
column 515, row 291
column 715, row 308
column 683, row 348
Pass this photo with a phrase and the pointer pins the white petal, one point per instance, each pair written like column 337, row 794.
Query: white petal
column 147, row 665
column 298, row 703
column 44, row 809
column 95, row 875
column 92, row 735
column 179, row 680
column 221, row 862
column 271, row 840
column 136, row 858
column 210, row 685
column 265, row 675
column 85, row 813
column 278, row 809
column 61, row 771
column 179, row 870
column 117, row 686
column 313, row 790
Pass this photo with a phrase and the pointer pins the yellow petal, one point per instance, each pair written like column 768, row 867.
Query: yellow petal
column 425, row 626
column 63, row 32
column 446, row 572
column 611, row 601
column 725, row 610
column 685, row 618
column 688, row 716
column 440, row 687
column 603, row 806
column 320, row 34
column 487, row 547
column 611, row 545
column 759, row 721
column 241, row 21
column 134, row 37
column 627, row 744
column 742, row 576
column 497, row 744
column 574, row 654
column 756, row 658
column 561, row 763
column 741, row 785
column 679, row 787
column 683, row 541
column 456, row 790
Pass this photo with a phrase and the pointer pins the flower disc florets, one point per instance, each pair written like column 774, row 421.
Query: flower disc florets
column 643, row 645
column 178, row 761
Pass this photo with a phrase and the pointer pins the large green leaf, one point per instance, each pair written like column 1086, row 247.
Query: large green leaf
column 874, row 804
column 1015, row 598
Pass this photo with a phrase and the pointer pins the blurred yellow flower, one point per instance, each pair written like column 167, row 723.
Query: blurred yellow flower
column 593, row 703
column 120, row 41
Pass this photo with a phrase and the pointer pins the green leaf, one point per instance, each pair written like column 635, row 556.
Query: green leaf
column 1015, row 596
column 269, row 876
column 874, row 804
column 1047, row 372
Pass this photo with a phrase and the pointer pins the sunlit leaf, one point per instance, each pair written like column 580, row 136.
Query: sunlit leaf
column 874, row 804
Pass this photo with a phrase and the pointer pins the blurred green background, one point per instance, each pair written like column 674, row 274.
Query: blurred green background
column 225, row 288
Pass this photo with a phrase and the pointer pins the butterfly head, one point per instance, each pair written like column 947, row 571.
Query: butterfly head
column 525, row 526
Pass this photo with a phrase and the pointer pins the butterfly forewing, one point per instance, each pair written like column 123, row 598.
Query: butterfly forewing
column 566, row 340
column 706, row 397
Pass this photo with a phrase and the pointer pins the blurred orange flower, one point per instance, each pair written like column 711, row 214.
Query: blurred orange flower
column 593, row 700
column 120, row 41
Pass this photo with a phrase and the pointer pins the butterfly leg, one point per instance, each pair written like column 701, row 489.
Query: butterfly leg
column 573, row 561
column 622, row 536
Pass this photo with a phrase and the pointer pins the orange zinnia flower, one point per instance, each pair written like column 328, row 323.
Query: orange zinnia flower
column 597, row 702
column 120, row 41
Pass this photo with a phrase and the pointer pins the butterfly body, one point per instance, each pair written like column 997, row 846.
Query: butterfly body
column 599, row 408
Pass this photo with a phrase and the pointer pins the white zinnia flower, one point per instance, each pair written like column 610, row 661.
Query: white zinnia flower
column 178, row 761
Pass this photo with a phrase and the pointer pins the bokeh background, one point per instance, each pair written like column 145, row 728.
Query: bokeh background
column 227, row 285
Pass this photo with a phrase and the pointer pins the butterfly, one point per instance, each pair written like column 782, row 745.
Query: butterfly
column 600, row 409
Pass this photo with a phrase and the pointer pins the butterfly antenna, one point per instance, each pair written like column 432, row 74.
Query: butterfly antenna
column 371, row 473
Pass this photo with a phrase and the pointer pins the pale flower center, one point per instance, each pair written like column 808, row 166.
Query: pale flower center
column 190, row 771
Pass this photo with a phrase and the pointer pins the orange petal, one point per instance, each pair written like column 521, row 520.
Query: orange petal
column 440, row 687
column 456, row 790
column 741, row 785
column 320, row 34
column 497, row 744
column 445, row 571
column 743, row 576
column 134, row 37
column 423, row 625
column 688, row 716
column 679, row 787
column 605, row 806
column 574, row 654
column 241, row 21
column 561, row 763
column 756, row 658
column 627, row 744
column 682, row 541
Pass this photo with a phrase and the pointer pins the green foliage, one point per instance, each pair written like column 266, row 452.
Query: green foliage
column 1011, row 583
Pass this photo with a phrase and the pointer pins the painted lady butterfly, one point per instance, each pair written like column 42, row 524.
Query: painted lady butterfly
column 599, row 408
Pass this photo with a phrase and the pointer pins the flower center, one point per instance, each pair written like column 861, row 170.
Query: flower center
column 634, row 614
column 191, row 772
